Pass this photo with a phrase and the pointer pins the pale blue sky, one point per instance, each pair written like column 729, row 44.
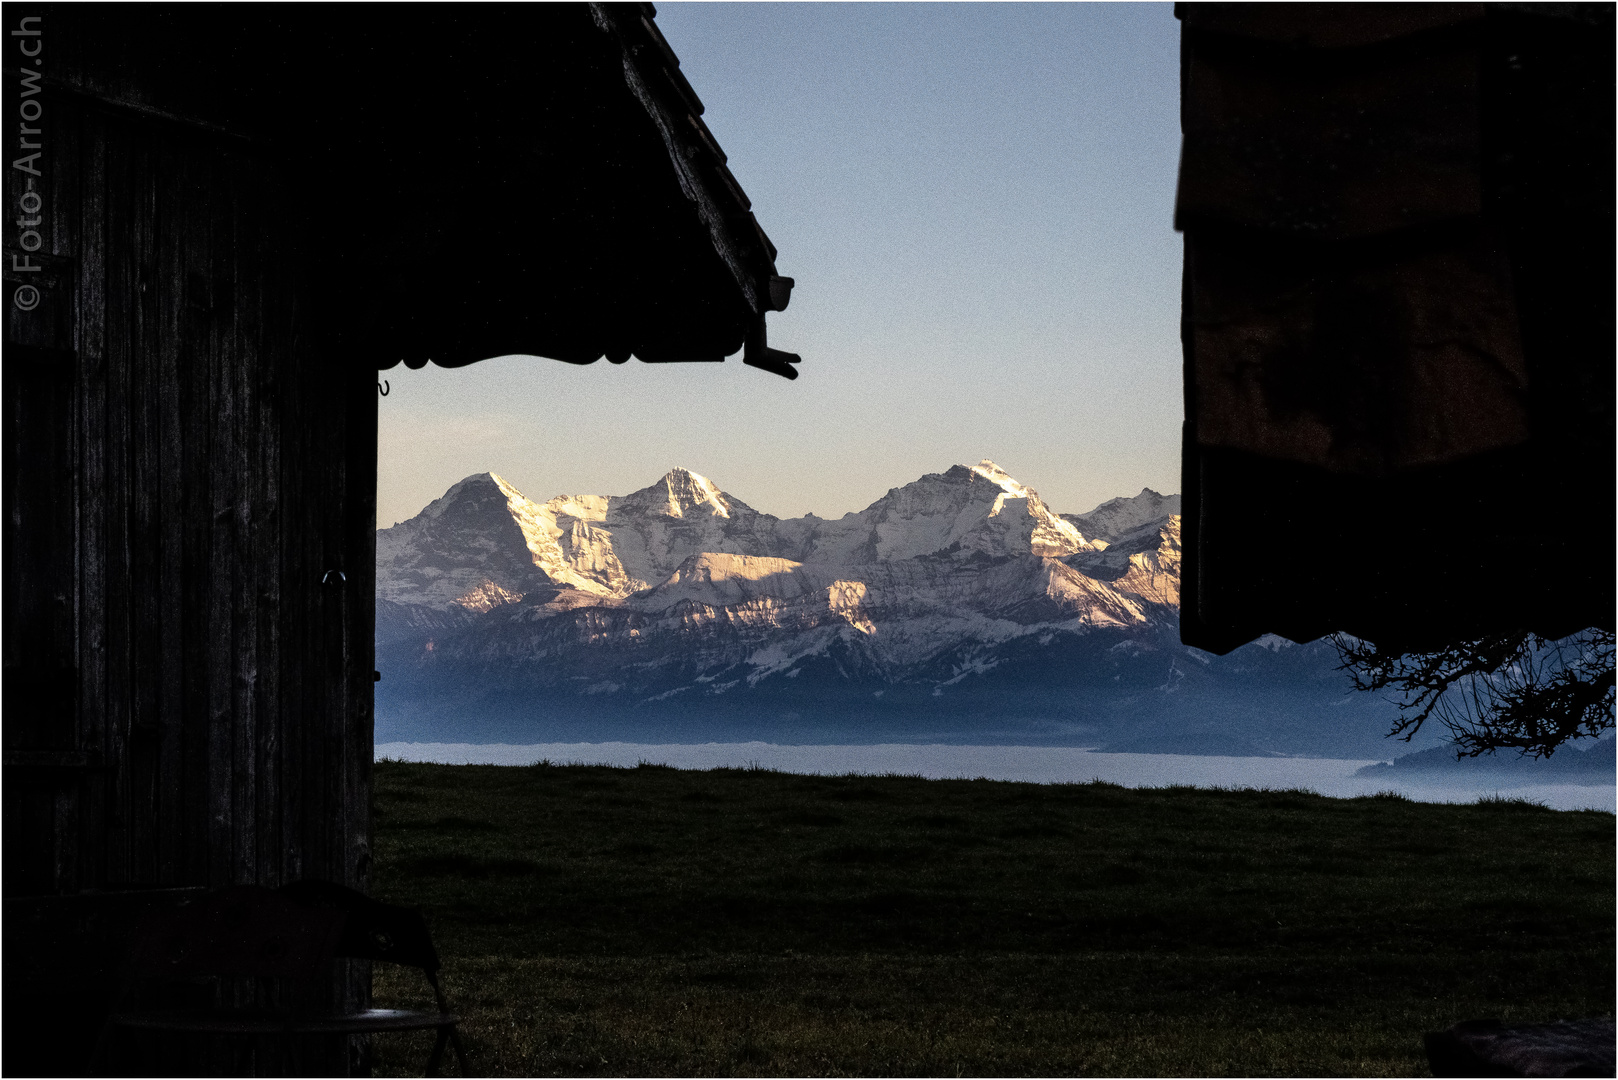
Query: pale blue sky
column 976, row 201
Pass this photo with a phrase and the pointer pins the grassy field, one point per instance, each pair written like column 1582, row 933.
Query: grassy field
column 598, row 921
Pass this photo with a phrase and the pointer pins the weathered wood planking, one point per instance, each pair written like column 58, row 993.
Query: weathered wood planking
column 186, row 468
column 187, row 704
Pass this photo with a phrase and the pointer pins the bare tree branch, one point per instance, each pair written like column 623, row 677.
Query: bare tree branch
column 1512, row 690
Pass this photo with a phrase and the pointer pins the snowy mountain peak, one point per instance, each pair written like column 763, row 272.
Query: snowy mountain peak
column 967, row 511
column 996, row 475
column 472, row 549
column 1122, row 519
column 677, row 494
column 467, row 496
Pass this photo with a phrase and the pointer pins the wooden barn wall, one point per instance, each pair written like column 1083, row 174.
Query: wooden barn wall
column 187, row 472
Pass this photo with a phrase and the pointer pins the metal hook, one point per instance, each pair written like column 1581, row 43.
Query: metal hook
column 383, row 387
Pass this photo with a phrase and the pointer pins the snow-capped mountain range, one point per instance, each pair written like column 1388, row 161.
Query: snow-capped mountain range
column 967, row 551
column 955, row 601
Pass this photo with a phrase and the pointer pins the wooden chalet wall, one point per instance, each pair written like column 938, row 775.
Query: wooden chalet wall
column 189, row 489
column 189, row 498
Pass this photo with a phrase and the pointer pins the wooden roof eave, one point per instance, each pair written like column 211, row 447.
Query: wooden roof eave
column 593, row 215
column 651, row 70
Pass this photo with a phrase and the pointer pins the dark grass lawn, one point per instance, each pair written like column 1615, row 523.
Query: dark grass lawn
column 737, row 922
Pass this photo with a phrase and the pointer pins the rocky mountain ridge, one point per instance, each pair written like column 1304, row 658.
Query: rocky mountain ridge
column 959, row 599
column 485, row 543
column 970, row 543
